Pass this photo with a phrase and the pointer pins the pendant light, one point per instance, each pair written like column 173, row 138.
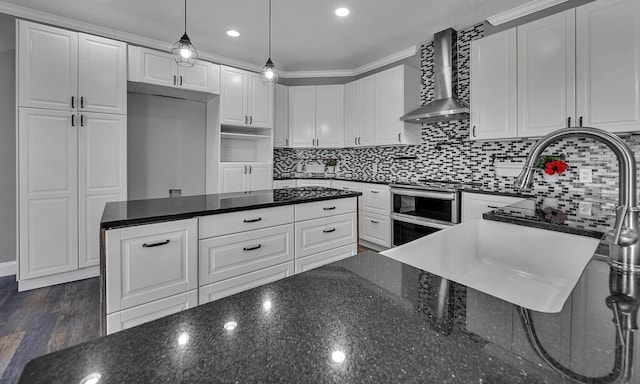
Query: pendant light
column 269, row 72
column 184, row 52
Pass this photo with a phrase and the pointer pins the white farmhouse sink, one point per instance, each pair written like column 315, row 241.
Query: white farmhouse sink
column 530, row 267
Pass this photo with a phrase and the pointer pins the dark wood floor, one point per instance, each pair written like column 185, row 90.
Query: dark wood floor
column 44, row 320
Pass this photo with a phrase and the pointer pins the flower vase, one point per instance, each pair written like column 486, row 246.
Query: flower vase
column 551, row 178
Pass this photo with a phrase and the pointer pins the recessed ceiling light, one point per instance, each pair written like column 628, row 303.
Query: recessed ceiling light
column 342, row 12
column 233, row 33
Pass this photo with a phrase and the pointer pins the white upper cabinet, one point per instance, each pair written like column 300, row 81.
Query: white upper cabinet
column 493, row 86
column 546, row 81
column 329, row 115
column 102, row 70
column 396, row 93
column 302, row 116
column 244, row 100
column 608, row 65
column 316, row 116
column 59, row 69
column 359, row 112
column 159, row 68
column 281, row 117
column 47, row 67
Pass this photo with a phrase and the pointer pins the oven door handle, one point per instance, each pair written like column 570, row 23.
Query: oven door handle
column 433, row 195
column 416, row 221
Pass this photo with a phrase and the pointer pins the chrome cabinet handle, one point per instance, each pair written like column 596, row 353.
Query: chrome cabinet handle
column 359, row 140
column 374, row 221
column 250, row 169
column 82, row 120
column 252, row 248
column 329, row 230
column 252, row 220
column 174, row 79
column 473, row 131
column 375, row 191
column 329, row 208
column 286, row 142
column 145, row 245
column 73, row 101
column 181, row 80
column 250, row 120
column 81, row 101
column 580, row 123
column 73, row 120
column 317, row 142
column 399, row 140
column 245, row 169
column 355, row 141
column 568, row 121
column 492, row 207
column 246, row 119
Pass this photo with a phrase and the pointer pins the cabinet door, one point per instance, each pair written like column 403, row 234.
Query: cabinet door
column 48, row 192
column 150, row 262
column 47, row 66
column 260, row 177
column 329, row 116
column 158, row 68
column 260, row 102
column 389, row 106
column 281, row 117
column 493, row 86
column 546, row 74
column 233, row 178
column 302, row 116
column 351, row 114
column 102, row 176
column 102, row 76
column 365, row 110
column 233, row 100
column 608, row 65
column 203, row 77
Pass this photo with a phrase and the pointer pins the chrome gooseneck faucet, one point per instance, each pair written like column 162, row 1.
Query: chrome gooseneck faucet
column 623, row 239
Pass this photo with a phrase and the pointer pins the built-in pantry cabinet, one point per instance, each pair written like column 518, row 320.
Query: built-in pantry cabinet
column 148, row 66
column 71, row 149
column 580, row 67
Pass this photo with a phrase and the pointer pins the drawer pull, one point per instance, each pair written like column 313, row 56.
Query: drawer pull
column 374, row 221
column 492, row 207
column 145, row 245
column 329, row 208
column 253, row 220
column 375, row 191
column 329, row 230
column 252, row 248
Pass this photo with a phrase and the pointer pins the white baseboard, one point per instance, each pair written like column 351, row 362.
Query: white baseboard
column 8, row 268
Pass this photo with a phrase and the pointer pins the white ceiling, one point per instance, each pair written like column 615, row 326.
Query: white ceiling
column 306, row 36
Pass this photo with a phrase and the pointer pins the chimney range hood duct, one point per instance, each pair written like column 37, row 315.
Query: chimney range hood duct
column 445, row 106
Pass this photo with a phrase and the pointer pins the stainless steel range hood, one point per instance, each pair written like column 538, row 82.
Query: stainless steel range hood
column 445, row 106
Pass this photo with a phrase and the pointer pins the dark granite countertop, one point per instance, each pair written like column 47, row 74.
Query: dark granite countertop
column 135, row 212
column 517, row 214
column 365, row 319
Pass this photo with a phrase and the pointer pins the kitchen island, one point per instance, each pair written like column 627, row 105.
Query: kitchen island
column 161, row 256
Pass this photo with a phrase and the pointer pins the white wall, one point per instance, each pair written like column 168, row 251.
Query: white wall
column 7, row 139
column 166, row 146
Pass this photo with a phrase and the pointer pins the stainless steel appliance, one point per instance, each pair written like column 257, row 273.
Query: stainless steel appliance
column 422, row 208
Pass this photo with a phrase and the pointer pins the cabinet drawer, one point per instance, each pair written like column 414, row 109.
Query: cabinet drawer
column 313, row 183
column 313, row 236
column 151, row 311
column 150, row 262
column 375, row 228
column 233, row 255
column 325, row 208
column 474, row 205
column 227, row 223
column 326, row 257
column 284, row 184
column 376, row 199
column 244, row 282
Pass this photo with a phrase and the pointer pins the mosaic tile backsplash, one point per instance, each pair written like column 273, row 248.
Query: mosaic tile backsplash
column 447, row 153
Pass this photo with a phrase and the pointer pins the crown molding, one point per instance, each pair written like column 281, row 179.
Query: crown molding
column 81, row 26
column 523, row 10
column 392, row 58
column 327, row 73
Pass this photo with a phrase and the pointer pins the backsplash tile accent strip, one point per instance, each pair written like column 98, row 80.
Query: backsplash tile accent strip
column 447, row 153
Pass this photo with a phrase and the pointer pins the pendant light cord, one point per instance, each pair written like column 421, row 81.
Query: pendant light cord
column 185, row 16
column 269, row 28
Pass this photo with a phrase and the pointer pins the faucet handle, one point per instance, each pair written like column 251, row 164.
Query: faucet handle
column 621, row 214
column 620, row 235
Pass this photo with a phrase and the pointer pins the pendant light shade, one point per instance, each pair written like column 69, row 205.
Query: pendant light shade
column 184, row 52
column 269, row 73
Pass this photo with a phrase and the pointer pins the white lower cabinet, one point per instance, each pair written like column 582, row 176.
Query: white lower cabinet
column 313, row 236
column 154, row 310
column 319, row 259
column 244, row 282
column 150, row 262
column 326, row 208
column 474, row 205
column 313, row 183
column 277, row 184
column 375, row 228
column 229, row 256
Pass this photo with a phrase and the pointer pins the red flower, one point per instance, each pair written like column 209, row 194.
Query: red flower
column 555, row 166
